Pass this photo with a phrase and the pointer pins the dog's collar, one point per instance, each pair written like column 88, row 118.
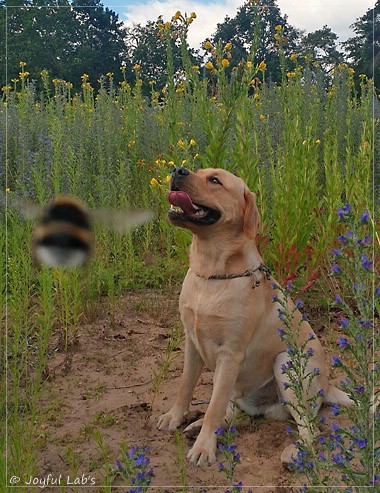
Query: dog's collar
column 248, row 273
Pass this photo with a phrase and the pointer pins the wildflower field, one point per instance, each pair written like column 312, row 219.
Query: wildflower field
column 306, row 146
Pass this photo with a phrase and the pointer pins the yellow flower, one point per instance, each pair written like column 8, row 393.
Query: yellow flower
column 192, row 142
column 44, row 73
column 176, row 16
column 22, row 64
column 351, row 71
column 256, row 95
column 171, row 163
column 136, row 67
column 184, row 161
column 154, row 182
column 294, row 56
column 7, row 190
column 23, row 74
column 262, row 118
column 208, row 46
column 262, row 66
column 318, row 141
column 180, row 143
column 225, row 63
column 209, row 65
column 249, row 64
column 168, row 25
column 278, row 28
column 195, row 68
column 362, row 76
column 84, row 77
column 290, row 74
column 168, row 178
column 193, row 15
column 228, row 46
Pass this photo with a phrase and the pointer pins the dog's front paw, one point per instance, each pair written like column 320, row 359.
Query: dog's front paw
column 203, row 452
column 171, row 420
column 289, row 455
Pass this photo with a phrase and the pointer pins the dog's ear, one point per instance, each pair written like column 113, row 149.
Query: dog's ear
column 251, row 215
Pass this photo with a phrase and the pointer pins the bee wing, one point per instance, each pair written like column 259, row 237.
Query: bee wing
column 121, row 221
column 27, row 209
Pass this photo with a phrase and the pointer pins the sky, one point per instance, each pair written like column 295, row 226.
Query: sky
column 308, row 15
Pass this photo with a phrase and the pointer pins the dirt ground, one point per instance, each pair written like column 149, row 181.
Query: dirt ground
column 116, row 380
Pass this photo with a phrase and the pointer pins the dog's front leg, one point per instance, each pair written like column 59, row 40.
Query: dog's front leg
column 203, row 451
column 192, row 369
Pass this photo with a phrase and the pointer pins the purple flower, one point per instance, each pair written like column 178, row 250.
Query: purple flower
column 316, row 371
column 344, row 322
column 322, row 456
column 365, row 241
column 338, row 299
column 299, row 303
column 281, row 332
column 364, row 217
column 219, row 431
column 342, row 211
column 335, row 427
column 377, row 292
column 337, row 458
column 236, row 457
column 335, row 361
column 310, row 352
column 221, row 466
column 310, row 336
column 291, row 350
column 285, row 385
column 335, row 269
column 232, row 429
column 342, row 238
column 366, row 263
column 323, row 419
column 119, row 465
column 335, row 409
column 336, row 252
column 359, row 389
column 289, row 286
column 321, row 392
column 321, row 440
column 343, row 342
column 361, row 442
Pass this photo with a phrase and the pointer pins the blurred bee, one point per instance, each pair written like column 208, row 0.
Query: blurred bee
column 63, row 236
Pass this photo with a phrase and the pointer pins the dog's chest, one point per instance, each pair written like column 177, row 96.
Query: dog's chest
column 212, row 317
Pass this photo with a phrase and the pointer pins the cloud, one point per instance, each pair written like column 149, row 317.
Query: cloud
column 306, row 15
column 208, row 15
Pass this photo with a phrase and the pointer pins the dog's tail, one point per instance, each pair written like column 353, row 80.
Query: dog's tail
column 337, row 396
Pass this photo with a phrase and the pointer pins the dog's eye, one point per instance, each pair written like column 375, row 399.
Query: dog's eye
column 214, row 179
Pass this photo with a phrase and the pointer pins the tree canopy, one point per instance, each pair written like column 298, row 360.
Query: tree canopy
column 65, row 38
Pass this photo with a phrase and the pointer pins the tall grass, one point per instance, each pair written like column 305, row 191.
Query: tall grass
column 305, row 145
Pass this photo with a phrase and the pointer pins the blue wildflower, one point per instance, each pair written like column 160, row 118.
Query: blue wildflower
column 342, row 238
column 343, row 342
column 335, row 361
column 336, row 252
column 335, row 409
column 335, row 269
column 344, row 322
column 310, row 352
column 338, row 299
column 364, row 217
column 361, row 442
column 337, row 458
column 299, row 303
column 366, row 263
column 219, row 432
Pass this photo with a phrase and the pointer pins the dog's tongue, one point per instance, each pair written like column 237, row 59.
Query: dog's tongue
column 182, row 200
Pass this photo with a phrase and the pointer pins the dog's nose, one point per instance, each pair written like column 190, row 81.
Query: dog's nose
column 179, row 171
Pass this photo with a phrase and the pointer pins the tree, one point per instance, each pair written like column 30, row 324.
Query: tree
column 240, row 31
column 363, row 49
column 65, row 38
column 321, row 45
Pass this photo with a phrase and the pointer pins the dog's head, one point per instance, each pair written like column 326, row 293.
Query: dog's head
column 214, row 199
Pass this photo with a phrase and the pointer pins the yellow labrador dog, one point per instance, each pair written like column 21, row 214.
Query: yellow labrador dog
column 230, row 327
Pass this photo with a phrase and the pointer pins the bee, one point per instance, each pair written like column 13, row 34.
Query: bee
column 63, row 236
